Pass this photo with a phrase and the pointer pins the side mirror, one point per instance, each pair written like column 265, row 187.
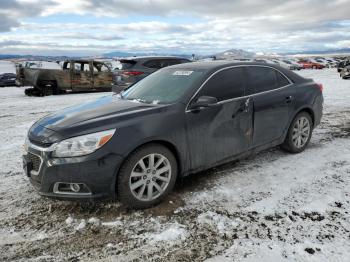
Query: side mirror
column 203, row 101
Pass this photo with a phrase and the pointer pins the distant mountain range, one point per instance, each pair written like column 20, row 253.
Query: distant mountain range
column 228, row 54
column 234, row 54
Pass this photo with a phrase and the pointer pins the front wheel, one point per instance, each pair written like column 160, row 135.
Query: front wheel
column 299, row 133
column 147, row 176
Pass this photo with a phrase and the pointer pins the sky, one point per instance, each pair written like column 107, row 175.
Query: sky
column 93, row 27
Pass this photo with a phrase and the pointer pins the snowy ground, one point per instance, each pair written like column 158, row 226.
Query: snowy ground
column 270, row 207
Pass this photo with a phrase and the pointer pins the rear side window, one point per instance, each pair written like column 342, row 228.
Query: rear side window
column 127, row 64
column 262, row 79
column 281, row 80
column 156, row 64
column 225, row 85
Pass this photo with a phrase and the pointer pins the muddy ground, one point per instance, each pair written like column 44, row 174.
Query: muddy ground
column 268, row 207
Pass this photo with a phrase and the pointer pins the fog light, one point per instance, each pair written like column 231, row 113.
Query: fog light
column 71, row 188
column 75, row 188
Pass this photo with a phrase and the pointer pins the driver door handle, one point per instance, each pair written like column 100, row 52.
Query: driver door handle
column 289, row 99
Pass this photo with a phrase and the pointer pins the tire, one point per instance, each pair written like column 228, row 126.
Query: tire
column 28, row 91
column 297, row 138
column 48, row 88
column 134, row 181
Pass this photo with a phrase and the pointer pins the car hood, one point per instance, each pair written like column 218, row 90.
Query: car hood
column 94, row 116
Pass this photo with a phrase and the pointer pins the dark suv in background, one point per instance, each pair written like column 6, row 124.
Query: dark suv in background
column 136, row 68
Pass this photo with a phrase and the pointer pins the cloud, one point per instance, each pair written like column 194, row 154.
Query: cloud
column 12, row 10
column 143, row 25
column 85, row 36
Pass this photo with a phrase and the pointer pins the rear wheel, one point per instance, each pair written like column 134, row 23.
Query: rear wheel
column 48, row 88
column 299, row 133
column 147, row 176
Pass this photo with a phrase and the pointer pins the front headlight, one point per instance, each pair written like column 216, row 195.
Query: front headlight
column 82, row 145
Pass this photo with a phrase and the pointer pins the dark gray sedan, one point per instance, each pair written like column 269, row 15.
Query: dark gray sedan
column 179, row 120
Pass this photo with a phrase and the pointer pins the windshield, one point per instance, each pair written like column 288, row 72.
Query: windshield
column 163, row 87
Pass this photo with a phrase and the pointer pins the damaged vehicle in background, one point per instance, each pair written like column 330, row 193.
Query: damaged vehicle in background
column 74, row 76
column 136, row 68
column 177, row 121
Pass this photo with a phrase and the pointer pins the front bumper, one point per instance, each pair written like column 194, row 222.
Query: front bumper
column 97, row 172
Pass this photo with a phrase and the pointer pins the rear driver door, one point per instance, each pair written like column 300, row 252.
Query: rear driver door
column 81, row 76
column 273, row 97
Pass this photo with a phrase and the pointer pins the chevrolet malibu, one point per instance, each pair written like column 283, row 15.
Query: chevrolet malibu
column 177, row 121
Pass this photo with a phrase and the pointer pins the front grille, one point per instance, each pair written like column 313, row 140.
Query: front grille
column 35, row 160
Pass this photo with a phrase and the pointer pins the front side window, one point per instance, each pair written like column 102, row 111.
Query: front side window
column 224, row 85
column 163, row 87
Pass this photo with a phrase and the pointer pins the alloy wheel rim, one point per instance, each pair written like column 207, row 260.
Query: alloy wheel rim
column 150, row 177
column 301, row 132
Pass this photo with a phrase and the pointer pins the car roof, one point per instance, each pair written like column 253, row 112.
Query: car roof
column 213, row 66
column 216, row 65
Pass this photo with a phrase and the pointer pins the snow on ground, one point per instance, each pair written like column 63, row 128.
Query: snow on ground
column 272, row 206
column 7, row 67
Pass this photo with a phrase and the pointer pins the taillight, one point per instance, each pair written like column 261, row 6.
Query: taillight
column 132, row 73
column 320, row 86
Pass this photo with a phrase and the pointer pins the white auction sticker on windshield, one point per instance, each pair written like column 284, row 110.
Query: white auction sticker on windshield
column 182, row 73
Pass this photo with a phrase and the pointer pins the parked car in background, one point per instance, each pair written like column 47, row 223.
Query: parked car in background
column 136, row 68
column 342, row 65
column 286, row 65
column 263, row 60
column 7, row 79
column 75, row 75
column 332, row 62
column 345, row 73
column 307, row 64
column 294, row 65
column 179, row 120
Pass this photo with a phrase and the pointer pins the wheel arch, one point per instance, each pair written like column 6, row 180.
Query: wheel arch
column 170, row 146
column 308, row 110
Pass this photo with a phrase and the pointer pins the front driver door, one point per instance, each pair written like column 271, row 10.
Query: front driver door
column 216, row 134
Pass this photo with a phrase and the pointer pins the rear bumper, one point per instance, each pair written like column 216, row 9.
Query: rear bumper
column 97, row 172
column 318, row 110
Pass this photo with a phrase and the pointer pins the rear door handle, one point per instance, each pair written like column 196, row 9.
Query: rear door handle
column 289, row 99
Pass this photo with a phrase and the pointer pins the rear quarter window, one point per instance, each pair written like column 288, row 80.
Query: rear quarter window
column 262, row 79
